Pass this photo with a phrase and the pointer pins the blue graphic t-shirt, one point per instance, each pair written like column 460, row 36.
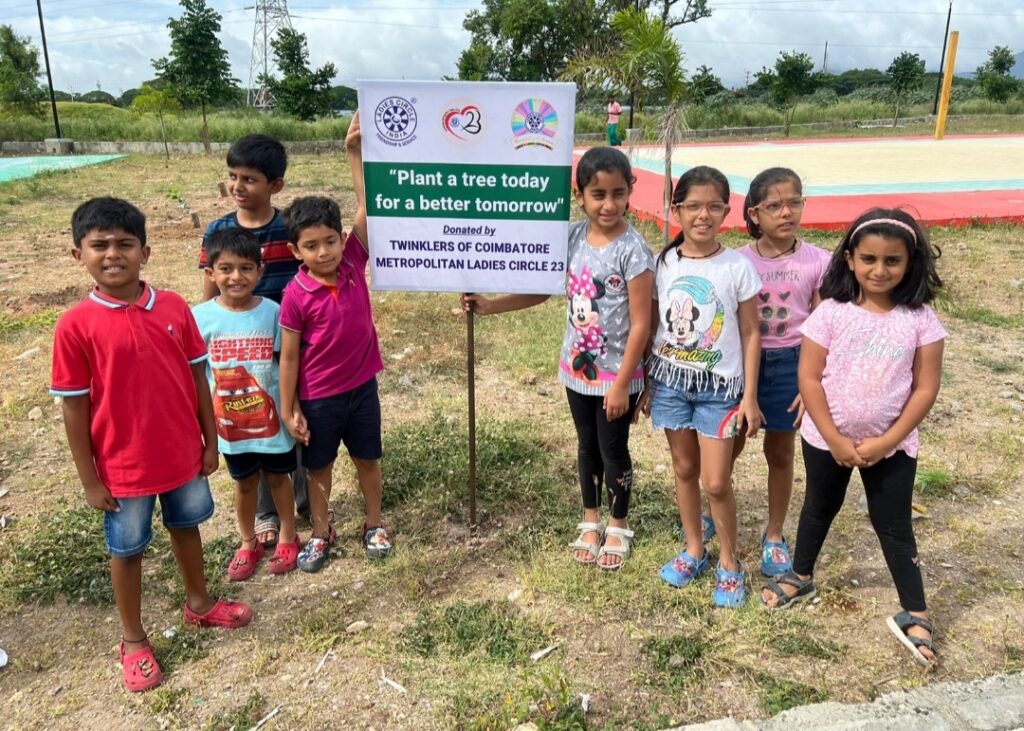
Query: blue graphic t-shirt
column 244, row 377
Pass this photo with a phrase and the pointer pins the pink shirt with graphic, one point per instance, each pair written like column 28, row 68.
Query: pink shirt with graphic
column 869, row 367
column 788, row 284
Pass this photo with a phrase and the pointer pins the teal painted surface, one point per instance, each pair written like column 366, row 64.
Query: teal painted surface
column 13, row 168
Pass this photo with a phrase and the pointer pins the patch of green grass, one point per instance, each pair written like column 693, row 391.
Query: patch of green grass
column 678, row 659
column 934, row 483
column 797, row 637
column 320, row 627
column 217, row 554
column 495, row 630
column 984, row 316
column 1014, row 662
column 61, row 554
column 779, row 694
column 165, row 700
column 242, row 718
column 1000, row 366
column 186, row 645
column 12, row 324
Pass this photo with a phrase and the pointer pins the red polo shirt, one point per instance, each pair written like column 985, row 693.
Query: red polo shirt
column 133, row 362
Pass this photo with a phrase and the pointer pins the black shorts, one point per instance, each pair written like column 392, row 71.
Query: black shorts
column 247, row 464
column 352, row 417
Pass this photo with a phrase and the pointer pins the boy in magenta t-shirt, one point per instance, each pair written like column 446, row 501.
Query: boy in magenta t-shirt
column 330, row 358
column 131, row 367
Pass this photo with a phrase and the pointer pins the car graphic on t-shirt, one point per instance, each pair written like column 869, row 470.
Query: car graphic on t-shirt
column 241, row 408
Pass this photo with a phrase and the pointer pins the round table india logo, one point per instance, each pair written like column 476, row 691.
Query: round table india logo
column 395, row 119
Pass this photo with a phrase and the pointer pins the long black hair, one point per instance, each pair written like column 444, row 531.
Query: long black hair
column 700, row 175
column 759, row 189
column 921, row 282
column 603, row 160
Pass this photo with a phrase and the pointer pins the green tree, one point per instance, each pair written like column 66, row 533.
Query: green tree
column 156, row 101
column 98, row 96
column 703, row 84
column 301, row 91
column 790, row 79
column 19, row 72
column 994, row 75
column 197, row 69
column 906, row 72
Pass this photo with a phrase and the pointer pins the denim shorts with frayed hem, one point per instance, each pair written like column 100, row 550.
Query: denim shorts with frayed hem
column 699, row 406
column 130, row 530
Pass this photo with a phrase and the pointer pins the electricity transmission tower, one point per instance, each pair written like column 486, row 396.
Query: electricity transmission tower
column 271, row 16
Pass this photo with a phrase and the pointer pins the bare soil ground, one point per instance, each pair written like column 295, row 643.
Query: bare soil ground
column 454, row 615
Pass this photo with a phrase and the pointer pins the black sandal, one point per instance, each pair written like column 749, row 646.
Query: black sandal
column 900, row 623
column 804, row 590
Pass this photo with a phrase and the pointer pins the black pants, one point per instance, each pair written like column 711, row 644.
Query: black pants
column 889, row 486
column 265, row 508
column 603, row 453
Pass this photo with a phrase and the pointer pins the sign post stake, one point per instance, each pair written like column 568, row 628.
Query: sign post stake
column 471, row 377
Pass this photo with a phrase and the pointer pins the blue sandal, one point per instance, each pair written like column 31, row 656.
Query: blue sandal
column 683, row 569
column 730, row 587
column 707, row 524
column 776, row 558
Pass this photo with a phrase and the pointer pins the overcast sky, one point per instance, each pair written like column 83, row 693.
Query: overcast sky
column 113, row 42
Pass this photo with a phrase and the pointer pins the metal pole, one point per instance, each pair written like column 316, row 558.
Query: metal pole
column 471, row 377
column 942, row 59
column 49, row 76
column 632, row 95
column 947, row 87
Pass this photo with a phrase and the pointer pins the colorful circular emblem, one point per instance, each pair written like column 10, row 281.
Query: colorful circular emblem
column 534, row 122
column 395, row 119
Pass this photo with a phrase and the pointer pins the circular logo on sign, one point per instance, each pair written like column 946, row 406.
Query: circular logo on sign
column 395, row 119
column 534, row 122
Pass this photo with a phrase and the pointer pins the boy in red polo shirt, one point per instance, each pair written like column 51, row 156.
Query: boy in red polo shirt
column 130, row 365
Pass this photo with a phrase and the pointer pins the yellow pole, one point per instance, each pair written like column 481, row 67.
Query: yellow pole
column 947, row 86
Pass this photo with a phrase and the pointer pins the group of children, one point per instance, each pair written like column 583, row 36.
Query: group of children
column 277, row 368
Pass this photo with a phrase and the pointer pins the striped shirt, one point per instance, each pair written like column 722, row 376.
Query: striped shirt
column 279, row 264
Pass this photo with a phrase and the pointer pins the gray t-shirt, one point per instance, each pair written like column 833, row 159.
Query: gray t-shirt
column 598, row 324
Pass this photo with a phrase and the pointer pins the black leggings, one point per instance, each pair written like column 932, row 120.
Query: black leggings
column 603, row 453
column 889, row 486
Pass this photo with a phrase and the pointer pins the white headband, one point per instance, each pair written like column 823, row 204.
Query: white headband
column 891, row 221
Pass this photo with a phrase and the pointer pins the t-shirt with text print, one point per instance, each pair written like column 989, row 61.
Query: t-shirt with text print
column 597, row 323
column 869, row 368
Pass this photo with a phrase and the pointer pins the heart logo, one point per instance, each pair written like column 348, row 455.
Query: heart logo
column 464, row 123
column 765, row 296
column 784, row 295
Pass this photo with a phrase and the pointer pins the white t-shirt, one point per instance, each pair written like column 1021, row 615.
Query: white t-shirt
column 698, row 329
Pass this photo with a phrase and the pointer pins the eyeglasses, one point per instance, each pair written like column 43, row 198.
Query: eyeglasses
column 773, row 320
column 775, row 207
column 694, row 208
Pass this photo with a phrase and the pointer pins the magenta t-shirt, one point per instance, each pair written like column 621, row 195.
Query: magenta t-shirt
column 869, row 367
column 339, row 349
column 788, row 284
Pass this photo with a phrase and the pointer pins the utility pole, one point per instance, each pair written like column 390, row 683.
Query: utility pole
column 271, row 16
column 632, row 96
column 49, row 76
column 942, row 59
column 824, row 61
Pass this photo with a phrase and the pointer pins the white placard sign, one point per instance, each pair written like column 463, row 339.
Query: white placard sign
column 468, row 185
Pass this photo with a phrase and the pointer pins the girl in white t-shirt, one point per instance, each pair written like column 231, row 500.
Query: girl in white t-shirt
column 870, row 366
column 702, row 373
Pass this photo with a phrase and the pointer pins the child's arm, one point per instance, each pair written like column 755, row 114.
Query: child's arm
column 77, row 413
column 616, row 401
column 493, row 306
column 211, row 460
column 643, row 405
column 750, row 341
column 923, row 391
column 289, row 374
column 809, row 372
column 354, row 149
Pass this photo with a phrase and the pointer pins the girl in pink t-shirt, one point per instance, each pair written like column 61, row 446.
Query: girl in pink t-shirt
column 870, row 367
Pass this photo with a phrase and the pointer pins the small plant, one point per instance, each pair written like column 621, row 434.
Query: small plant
column 934, row 483
column 678, row 658
column 494, row 629
column 790, row 640
column 185, row 645
column 242, row 718
column 779, row 694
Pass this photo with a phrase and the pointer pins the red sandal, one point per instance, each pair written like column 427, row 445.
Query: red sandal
column 224, row 613
column 285, row 556
column 245, row 561
column 139, row 669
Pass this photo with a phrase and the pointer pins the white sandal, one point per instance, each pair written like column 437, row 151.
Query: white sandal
column 593, row 549
column 625, row 536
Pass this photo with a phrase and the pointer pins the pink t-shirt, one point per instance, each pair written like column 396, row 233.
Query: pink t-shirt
column 614, row 110
column 788, row 284
column 339, row 349
column 869, row 367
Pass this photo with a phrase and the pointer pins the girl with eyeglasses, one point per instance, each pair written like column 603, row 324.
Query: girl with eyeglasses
column 702, row 373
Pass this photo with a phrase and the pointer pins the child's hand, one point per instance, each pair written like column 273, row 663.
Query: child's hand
column 298, row 427
column 844, row 452
column 354, row 136
column 211, row 460
column 873, row 450
column 99, row 497
column 798, row 407
column 477, row 303
column 616, row 402
column 643, row 404
column 750, row 414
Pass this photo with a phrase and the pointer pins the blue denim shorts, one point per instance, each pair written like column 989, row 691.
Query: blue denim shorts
column 702, row 408
column 352, row 417
column 777, row 387
column 130, row 530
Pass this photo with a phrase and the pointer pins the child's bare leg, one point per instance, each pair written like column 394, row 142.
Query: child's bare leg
column 779, row 449
column 126, row 578
column 716, row 474
column 188, row 550
column 319, row 499
column 284, row 501
column 686, row 460
column 245, row 509
column 371, row 482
